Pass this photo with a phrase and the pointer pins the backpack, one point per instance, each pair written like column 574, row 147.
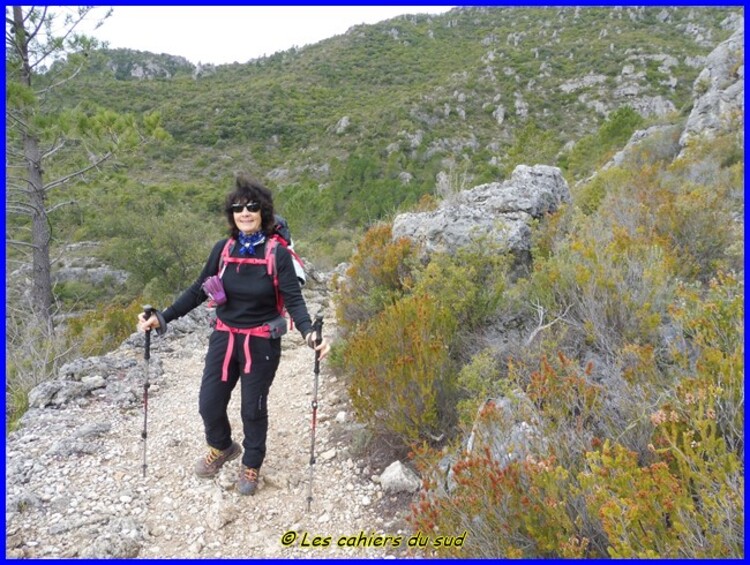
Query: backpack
column 284, row 237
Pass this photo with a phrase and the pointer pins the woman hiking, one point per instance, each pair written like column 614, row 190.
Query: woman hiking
column 245, row 345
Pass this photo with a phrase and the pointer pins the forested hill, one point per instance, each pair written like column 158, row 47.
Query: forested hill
column 357, row 126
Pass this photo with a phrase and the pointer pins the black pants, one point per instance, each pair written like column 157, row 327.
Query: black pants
column 215, row 393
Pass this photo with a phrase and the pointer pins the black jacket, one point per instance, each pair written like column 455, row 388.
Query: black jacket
column 251, row 298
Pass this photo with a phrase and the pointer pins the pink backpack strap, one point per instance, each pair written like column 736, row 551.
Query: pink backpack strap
column 224, row 256
column 227, row 258
column 271, row 259
column 271, row 248
column 285, row 243
column 273, row 271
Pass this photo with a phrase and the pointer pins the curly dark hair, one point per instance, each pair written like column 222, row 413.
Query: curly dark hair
column 247, row 189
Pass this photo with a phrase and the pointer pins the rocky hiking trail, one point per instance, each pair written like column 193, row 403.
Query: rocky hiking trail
column 74, row 473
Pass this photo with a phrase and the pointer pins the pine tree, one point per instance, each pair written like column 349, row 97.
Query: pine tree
column 49, row 150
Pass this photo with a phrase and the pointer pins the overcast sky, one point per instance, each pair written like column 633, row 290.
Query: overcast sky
column 225, row 34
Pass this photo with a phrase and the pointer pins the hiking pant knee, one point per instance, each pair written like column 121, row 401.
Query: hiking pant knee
column 254, row 387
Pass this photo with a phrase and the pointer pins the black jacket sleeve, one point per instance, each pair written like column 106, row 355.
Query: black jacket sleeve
column 291, row 292
column 194, row 295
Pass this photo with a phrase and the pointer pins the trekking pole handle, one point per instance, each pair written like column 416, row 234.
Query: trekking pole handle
column 147, row 311
column 318, row 329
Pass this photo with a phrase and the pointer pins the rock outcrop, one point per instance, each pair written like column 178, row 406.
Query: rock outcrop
column 501, row 212
column 719, row 90
column 719, row 94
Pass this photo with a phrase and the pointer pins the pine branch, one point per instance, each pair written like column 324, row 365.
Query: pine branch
column 76, row 174
column 20, row 243
column 20, row 208
column 68, row 31
column 61, row 82
column 60, row 205
column 54, row 149
column 19, row 122
column 17, row 187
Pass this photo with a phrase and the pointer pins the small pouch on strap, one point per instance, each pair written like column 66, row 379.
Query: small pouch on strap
column 214, row 288
column 277, row 327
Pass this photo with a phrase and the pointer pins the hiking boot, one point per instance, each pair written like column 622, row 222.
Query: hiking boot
column 248, row 482
column 210, row 464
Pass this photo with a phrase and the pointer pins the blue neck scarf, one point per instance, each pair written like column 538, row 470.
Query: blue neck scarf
column 248, row 242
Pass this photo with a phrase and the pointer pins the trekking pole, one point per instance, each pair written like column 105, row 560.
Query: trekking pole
column 318, row 329
column 147, row 311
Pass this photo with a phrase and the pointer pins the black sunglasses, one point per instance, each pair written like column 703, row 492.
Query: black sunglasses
column 251, row 207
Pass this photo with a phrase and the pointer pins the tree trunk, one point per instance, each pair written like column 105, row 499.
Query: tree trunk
column 41, row 288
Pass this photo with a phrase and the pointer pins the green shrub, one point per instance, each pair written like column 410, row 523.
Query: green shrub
column 478, row 380
column 84, row 294
column 700, row 433
column 104, row 329
column 33, row 354
column 689, row 207
column 610, row 287
column 689, row 440
column 517, row 511
column 548, row 233
column 379, row 274
column 167, row 252
column 401, row 373
column 462, row 290
column 639, row 507
column 590, row 196
column 533, row 145
column 711, row 318
column 470, row 282
column 604, row 503
column 593, row 150
column 699, row 222
column 569, row 402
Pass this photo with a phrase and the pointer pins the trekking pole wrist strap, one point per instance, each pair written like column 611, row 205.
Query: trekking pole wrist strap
column 162, row 329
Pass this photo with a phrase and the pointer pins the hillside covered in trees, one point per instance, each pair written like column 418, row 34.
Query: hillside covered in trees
column 361, row 125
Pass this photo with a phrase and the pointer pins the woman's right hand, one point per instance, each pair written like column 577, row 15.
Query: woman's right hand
column 147, row 325
column 324, row 347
